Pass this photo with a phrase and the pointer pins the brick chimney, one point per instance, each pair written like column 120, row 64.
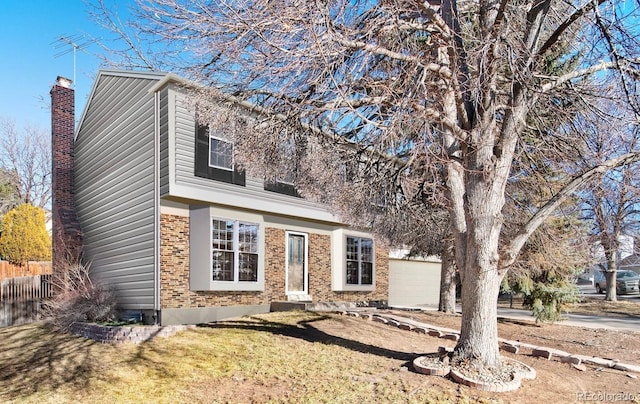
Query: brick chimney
column 67, row 236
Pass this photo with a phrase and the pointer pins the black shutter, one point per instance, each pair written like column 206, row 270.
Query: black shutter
column 202, row 151
column 239, row 177
column 202, row 168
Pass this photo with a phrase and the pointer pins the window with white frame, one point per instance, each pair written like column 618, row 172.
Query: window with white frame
column 359, row 256
column 220, row 153
column 234, row 251
column 214, row 158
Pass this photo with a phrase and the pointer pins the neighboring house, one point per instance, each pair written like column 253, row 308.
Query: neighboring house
column 626, row 258
column 631, row 263
column 164, row 217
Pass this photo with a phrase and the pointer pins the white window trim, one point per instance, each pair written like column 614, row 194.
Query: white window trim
column 306, row 263
column 209, row 153
column 200, row 250
column 236, row 248
column 339, row 262
column 360, row 261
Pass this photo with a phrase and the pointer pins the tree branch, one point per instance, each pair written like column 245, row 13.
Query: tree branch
column 509, row 254
column 557, row 34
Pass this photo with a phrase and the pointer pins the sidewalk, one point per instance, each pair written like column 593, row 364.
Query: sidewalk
column 576, row 320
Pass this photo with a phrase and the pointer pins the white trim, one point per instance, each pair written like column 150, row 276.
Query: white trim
column 306, row 263
column 156, row 197
column 171, row 135
column 200, row 246
column 236, row 248
column 339, row 262
column 233, row 196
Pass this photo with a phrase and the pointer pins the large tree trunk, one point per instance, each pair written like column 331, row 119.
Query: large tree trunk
column 447, row 303
column 479, row 332
column 610, row 277
column 479, row 272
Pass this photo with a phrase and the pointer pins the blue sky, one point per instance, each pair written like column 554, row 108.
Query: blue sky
column 28, row 65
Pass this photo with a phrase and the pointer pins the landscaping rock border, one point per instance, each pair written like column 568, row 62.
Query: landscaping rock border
column 515, row 347
column 124, row 334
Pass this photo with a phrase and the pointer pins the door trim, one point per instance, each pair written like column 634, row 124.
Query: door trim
column 306, row 263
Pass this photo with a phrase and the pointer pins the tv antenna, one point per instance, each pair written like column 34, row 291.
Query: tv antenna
column 66, row 44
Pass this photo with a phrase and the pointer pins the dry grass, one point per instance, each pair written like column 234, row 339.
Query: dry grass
column 268, row 358
column 599, row 307
column 289, row 357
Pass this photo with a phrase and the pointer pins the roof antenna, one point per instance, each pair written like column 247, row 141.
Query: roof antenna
column 71, row 43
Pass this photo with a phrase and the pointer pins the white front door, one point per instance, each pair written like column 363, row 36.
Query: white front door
column 297, row 280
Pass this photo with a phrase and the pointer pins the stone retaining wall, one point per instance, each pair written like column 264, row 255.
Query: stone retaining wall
column 123, row 334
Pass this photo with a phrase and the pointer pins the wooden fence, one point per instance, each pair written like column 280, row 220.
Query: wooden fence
column 31, row 268
column 21, row 298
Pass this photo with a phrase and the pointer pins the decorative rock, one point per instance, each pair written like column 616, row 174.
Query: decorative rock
column 632, row 376
column 579, row 367
column 544, row 353
column 509, row 342
column 393, row 323
column 380, row 319
column 124, row 334
column 493, row 387
column 571, row 359
column 510, row 348
column 583, row 358
column 427, row 370
column 435, row 333
column 444, row 350
column 405, row 326
column 602, row 362
column 453, row 337
column 627, row 367
column 420, row 330
column 558, row 353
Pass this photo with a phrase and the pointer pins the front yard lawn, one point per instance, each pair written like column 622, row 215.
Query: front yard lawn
column 289, row 357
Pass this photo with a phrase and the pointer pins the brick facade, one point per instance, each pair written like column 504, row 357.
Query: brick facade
column 67, row 237
column 174, row 271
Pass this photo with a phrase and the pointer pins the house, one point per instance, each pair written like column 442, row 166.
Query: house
column 162, row 215
column 631, row 263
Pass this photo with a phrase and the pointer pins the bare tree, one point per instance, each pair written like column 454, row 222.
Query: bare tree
column 8, row 192
column 26, row 156
column 612, row 202
column 382, row 95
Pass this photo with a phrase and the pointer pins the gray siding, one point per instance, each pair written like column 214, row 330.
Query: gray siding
column 115, row 187
column 251, row 196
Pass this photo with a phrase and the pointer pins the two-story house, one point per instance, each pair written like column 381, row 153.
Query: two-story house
column 168, row 220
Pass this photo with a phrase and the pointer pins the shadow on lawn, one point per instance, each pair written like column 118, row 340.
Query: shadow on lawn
column 305, row 330
column 32, row 358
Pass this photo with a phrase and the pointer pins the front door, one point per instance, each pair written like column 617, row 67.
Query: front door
column 296, row 282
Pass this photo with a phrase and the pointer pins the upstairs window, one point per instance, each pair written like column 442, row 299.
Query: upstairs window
column 359, row 251
column 214, row 158
column 220, row 153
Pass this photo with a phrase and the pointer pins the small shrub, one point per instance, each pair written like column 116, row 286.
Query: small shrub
column 77, row 299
